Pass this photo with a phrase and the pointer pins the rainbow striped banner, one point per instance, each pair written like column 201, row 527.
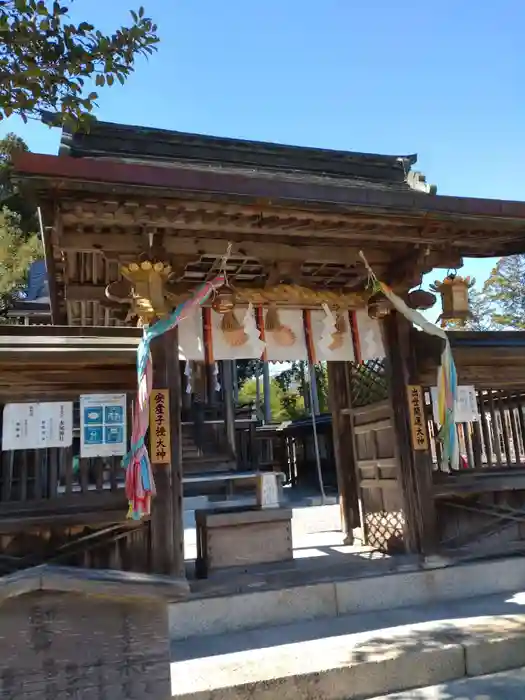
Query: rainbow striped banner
column 140, row 485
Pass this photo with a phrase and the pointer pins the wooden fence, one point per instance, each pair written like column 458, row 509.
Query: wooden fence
column 496, row 440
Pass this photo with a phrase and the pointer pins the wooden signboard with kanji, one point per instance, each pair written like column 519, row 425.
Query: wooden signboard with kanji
column 416, row 412
column 159, row 427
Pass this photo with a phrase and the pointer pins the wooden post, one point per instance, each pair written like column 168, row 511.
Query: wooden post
column 162, row 546
column 174, row 384
column 314, row 391
column 267, row 412
column 229, row 407
column 415, row 466
column 211, row 394
column 235, row 382
column 339, row 400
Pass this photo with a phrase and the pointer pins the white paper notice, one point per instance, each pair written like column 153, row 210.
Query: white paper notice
column 466, row 404
column 269, row 490
column 33, row 426
column 103, row 424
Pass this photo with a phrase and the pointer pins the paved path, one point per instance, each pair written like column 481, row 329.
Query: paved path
column 509, row 685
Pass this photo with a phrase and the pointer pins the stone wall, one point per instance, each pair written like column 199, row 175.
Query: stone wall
column 58, row 646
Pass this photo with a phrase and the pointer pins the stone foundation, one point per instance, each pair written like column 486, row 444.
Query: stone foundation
column 63, row 645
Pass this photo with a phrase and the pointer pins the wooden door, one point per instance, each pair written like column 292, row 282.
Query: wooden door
column 378, row 476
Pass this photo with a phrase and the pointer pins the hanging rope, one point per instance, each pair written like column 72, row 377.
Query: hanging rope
column 140, row 485
column 447, row 377
column 311, row 372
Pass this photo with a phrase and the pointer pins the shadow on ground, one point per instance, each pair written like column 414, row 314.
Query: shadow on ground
column 502, row 686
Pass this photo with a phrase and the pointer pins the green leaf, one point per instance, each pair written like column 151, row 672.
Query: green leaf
column 85, row 27
column 44, row 76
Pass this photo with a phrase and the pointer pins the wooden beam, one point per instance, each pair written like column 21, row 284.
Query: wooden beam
column 82, row 377
column 124, row 244
column 265, row 210
column 344, row 452
column 43, row 359
column 329, row 194
column 51, row 272
column 86, row 292
column 285, row 294
column 99, row 334
column 349, row 229
column 510, row 376
column 407, row 271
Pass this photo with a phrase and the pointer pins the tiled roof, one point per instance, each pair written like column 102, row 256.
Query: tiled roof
column 140, row 144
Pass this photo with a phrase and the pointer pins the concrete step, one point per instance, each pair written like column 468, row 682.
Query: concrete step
column 354, row 657
column 365, row 586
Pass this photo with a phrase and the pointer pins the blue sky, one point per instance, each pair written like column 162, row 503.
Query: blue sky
column 443, row 79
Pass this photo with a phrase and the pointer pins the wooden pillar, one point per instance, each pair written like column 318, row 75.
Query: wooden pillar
column 174, row 384
column 344, row 453
column 161, row 517
column 199, row 381
column 235, row 382
column 229, row 406
column 415, row 467
column 314, row 391
column 167, row 531
column 266, row 393
column 211, row 394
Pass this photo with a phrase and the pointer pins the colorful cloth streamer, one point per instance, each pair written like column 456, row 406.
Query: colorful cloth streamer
column 140, row 485
column 447, row 383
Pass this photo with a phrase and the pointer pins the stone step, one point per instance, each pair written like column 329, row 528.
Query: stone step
column 192, row 503
column 208, row 459
column 340, row 664
column 365, row 586
column 506, row 685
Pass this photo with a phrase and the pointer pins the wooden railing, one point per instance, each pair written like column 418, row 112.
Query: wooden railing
column 49, row 483
column 496, row 440
column 56, row 483
column 33, row 475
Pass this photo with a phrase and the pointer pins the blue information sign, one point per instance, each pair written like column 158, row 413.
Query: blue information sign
column 103, row 431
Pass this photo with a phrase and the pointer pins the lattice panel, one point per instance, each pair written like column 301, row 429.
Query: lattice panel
column 385, row 530
column 368, row 383
column 243, row 269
